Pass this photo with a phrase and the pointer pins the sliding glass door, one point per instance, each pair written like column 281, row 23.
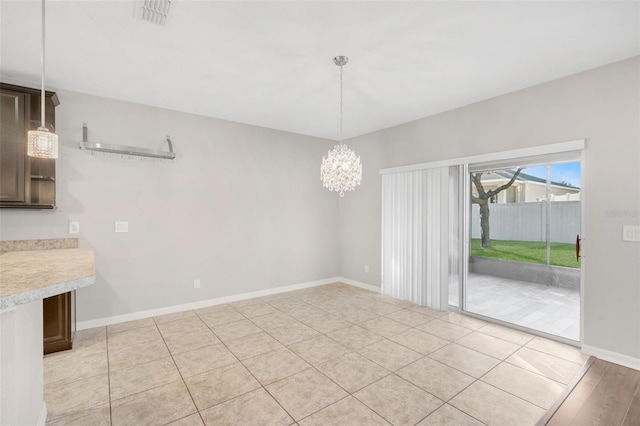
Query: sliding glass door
column 519, row 238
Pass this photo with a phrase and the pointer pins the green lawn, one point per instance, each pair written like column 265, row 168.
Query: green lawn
column 562, row 254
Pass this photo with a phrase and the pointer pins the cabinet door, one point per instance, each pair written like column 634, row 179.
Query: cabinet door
column 12, row 146
column 56, row 319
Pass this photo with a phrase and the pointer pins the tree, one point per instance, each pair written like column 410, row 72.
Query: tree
column 483, row 199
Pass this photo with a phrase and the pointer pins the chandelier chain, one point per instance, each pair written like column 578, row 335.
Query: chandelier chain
column 341, row 102
column 42, row 117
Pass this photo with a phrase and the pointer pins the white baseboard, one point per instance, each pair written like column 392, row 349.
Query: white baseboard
column 101, row 322
column 615, row 357
column 42, row 420
column 359, row 284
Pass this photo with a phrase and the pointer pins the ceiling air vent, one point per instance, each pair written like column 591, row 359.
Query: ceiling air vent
column 155, row 11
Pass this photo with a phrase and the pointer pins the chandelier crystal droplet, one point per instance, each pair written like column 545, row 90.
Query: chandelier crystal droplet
column 341, row 169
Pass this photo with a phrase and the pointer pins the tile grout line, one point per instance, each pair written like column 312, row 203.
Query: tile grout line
column 391, row 372
column 142, row 363
column 474, row 378
column 356, row 351
column 500, row 361
column 284, row 378
column 321, row 301
column 439, row 407
column 146, row 362
column 515, row 396
column 180, row 373
column 106, row 340
column 349, row 394
column 312, row 366
column 68, row 382
column 403, row 379
column 510, row 393
column 262, row 386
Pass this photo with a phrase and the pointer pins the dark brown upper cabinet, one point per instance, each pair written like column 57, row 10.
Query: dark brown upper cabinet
column 25, row 182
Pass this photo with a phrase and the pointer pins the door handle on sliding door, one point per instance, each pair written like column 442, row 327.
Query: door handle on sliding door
column 578, row 248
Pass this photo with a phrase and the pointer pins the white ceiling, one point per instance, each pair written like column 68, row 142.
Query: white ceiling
column 270, row 63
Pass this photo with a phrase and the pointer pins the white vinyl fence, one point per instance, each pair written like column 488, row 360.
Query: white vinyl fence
column 527, row 221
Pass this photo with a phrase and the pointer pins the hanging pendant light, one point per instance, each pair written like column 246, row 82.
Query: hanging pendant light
column 341, row 169
column 42, row 143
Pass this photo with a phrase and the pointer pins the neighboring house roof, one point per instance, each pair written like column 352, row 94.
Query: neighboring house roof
column 523, row 177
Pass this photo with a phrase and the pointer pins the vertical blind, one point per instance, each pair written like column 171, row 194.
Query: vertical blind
column 456, row 233
column 415, row 236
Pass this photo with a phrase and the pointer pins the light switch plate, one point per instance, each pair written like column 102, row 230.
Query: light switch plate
column 631, row 233
column 74, row 227
column 122, row 226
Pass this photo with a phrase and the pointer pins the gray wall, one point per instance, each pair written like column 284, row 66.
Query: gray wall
column 601, row 105
column 223, row 214
column 242, row 208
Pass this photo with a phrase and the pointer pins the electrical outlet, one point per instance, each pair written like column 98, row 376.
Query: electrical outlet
column 122, row 226
column 74, row 227
column 366, row 268
column 631, row 233
column 196, row 283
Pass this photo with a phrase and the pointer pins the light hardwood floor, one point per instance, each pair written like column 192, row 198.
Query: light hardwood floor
column 607, row 394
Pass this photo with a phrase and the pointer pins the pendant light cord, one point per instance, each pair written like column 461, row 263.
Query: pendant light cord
column 42, row 61
column 341, row 103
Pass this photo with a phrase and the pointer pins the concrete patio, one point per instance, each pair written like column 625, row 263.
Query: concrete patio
column 553, row 310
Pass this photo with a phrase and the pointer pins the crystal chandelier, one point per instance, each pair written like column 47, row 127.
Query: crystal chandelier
column 341, row 169
column 42, row 143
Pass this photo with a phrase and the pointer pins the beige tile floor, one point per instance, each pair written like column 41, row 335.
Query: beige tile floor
column 328, row 355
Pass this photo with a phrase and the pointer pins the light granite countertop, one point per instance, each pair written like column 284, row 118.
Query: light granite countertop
column 26, row 276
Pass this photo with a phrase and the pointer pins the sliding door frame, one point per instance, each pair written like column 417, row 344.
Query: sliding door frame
column 571, row 149
column 547, row 160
